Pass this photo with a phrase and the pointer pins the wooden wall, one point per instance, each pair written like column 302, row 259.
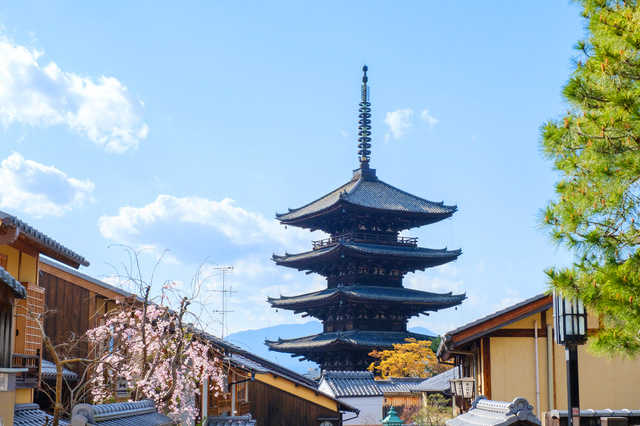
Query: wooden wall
column 71, row 311
column 271, row 406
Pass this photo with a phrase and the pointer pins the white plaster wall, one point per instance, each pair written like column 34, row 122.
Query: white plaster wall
column 370, row 410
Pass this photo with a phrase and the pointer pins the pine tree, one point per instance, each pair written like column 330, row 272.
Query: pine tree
column 596, row 148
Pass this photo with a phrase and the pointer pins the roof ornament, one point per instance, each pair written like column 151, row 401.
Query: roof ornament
column 364, row 128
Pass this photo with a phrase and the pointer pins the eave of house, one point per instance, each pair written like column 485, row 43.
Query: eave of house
column 85, row 281
column 457, row 339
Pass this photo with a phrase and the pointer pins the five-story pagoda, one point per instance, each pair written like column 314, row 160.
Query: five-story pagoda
column 365, row 306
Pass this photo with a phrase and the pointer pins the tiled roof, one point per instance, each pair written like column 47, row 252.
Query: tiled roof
column 498, row 313
column 247, row 364
column 32, row 415
column 253, row 363
column 86, row 277
column 485, row 412
column 138, row 413
column 361, row 292
column 439, row 256
column 398, row 384
column 48, row 371
column 475, row 329
column 356, row 338
column 351, row 383
column 371, row 193
column 13, row 284
column 231, row 421
column 439, row 383
column 51, row 247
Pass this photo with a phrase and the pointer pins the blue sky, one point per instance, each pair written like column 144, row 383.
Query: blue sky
column 187, row 125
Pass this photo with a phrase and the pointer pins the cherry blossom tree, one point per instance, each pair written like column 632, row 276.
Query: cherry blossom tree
column 153, row 347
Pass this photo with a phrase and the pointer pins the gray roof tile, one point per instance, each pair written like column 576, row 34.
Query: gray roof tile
column 361, row 292
column 32, row 415
column 376, row 249
column 43, row 239
column 439, row 383
column 371, row 193
column 48, row 371
column 13, row 284
column 351, row 383
column 135, row 413
column 398, row 384
column 485, row 412
column 358, row 338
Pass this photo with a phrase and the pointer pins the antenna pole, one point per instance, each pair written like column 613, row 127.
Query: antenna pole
column 224, row 291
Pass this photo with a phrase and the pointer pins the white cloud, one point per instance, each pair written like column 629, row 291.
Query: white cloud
column 399, row 122
column 40, row 190
column 167, row 214
column 433, row 284
column 426, row 116
column 101, row 110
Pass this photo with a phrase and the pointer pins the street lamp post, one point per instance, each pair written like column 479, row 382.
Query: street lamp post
column 570, row 321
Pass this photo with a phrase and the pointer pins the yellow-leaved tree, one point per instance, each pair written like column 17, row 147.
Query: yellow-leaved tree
column 411, row 359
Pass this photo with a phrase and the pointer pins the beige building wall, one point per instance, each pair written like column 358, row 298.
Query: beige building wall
column 604, row 383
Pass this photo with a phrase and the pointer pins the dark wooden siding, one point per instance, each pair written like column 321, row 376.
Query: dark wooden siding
column 69, row 312
column 271, row 406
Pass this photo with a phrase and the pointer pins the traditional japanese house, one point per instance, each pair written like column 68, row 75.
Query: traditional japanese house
column 21, row 250
column 267, row 392
column 511, row 353
column 365, row 305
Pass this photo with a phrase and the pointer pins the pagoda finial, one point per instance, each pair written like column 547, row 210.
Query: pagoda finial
column 364, row 128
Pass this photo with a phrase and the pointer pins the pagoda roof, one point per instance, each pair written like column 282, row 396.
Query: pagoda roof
column 423, row 256
column 323, row 342
column 361, row 293
column 367, row 191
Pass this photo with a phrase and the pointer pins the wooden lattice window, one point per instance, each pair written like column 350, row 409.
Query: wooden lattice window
column 35, row 304
column 3, row 261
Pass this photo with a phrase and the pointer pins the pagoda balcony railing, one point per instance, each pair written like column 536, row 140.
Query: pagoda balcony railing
column 365, row 237
column 30, row 378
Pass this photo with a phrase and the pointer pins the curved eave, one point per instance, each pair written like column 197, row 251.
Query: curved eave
column 413, row 219
column 420, row 258
column 415, row 300
column 43, row 243
column 369, row 195
column 325, row 342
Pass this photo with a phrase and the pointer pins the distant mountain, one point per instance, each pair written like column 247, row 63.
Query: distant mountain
column 253, row 341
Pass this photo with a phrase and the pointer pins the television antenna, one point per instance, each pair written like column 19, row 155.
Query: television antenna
column 225, row 292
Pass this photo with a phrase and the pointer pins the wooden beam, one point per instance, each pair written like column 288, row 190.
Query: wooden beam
column 492, row 324
column 486, row 366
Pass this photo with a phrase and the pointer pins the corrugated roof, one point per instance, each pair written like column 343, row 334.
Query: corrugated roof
column 31, row 415
column 345, row 247
column 48, row 371
column 361, row 292
column 439, row 383
column 13, row 284
column 51, row 246
column 398, row 384
column 350, row 383
column 355, row 338
column 371, row 193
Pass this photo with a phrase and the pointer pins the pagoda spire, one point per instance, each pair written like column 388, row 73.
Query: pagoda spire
column 364, row 128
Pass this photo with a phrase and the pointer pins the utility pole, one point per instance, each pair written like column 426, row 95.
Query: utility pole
column 224, row 291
